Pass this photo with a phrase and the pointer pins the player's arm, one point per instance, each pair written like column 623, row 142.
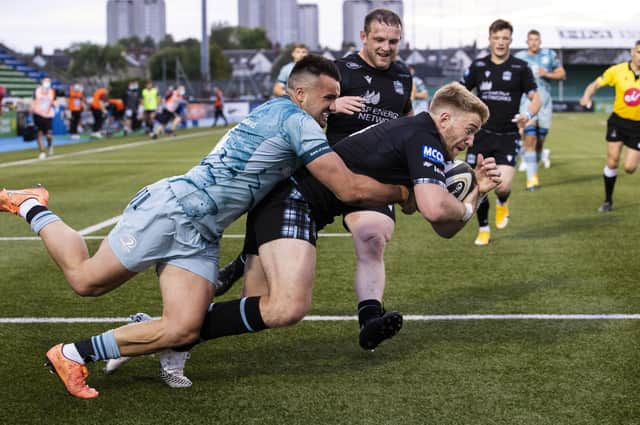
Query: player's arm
column 535, row 102
column 418, row 94
column 589, row 91
column 446, row 214
column 351, row 188
column 279, row 89
column 558, row 73
column 349, row 105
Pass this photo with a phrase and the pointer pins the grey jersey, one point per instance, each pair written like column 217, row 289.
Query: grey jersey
column 265, row 148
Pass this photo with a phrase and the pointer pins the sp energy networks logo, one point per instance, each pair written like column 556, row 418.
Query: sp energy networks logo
column 371, row 97
column 632, row 97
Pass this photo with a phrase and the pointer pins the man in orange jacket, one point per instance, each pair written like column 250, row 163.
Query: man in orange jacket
column 98, row 109
column 75, row 105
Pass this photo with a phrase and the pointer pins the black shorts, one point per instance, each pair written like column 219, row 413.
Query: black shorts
column 165, row 116
column 623, row 130
column 388, row 210
column 42, row 124
column 501, row 146
column 283, row 214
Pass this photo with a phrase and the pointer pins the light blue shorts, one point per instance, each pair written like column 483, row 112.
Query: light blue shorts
column 154, row 230
column 544, row 115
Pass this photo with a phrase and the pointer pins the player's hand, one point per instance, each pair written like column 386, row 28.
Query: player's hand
column 349, row 104
column 520, row 120
column 409, row 206
column 586, row 102
column 487, row 174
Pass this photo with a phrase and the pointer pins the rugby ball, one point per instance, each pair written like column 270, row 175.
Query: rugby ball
column 460, row 178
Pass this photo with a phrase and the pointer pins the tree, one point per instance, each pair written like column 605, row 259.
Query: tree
column 130, row 42
column 188, row 53
column 227, row 37
column 88, row 60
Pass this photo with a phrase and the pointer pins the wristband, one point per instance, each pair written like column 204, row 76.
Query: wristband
column 468, row 212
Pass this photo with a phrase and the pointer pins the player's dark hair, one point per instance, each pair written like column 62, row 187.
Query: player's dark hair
column 499, row 25
column 313, row 65
column 533, row 32
column 457, row 96
column 637, row 42
column 383, row 16
column 299, row 46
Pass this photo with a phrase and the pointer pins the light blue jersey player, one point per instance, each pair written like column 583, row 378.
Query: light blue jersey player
column 263, row 149
column 298, row 51
column 545, row 66
column 176, row 223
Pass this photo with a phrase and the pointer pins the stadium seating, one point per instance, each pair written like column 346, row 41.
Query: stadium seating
column 19, row 78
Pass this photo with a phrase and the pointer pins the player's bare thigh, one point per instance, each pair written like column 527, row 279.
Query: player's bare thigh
column 289, row 266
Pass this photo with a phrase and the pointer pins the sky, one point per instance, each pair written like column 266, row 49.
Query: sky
column 428, row 23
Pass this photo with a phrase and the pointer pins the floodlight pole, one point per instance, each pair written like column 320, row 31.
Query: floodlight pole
column 204, row 48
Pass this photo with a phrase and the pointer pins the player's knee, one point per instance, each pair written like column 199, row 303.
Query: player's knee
column 286, row 312
column 371, row 246
column 176, row 335
column 84, row 287
column 629, row 169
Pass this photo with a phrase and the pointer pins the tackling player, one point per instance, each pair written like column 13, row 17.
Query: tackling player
column 623, row 125
column 500, row 81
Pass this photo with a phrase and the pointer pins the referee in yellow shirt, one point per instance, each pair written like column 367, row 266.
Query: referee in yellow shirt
column 623, row 126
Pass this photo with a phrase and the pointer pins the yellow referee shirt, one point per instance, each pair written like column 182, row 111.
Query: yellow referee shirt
column 627, row 86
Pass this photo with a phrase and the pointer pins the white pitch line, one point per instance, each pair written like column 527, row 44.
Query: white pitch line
column 99, row 226
column 103, row 149
column 413, row 318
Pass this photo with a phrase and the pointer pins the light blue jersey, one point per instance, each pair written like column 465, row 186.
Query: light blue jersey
column 419, row 105
column 265, row 148
column 285, row 71
column 545, row 59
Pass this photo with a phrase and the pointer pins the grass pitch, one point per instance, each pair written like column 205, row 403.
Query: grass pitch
column 557, row 256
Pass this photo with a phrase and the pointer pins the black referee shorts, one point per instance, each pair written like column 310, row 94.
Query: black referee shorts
column 623, row 130
column 283, row 214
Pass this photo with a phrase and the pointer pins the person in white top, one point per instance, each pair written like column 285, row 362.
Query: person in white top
column 42, row 108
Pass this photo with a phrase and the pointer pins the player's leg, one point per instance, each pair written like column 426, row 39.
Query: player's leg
column 503, row 191
column 49, row 137
column 371, row 230
column 631, row 160
column 231, row 273
column 483, row 144
column 529, row 155
column 185, row 298
column 88, row 276
column 610, row 174
column 543, row 153
column 255, row 279
column 544, row 124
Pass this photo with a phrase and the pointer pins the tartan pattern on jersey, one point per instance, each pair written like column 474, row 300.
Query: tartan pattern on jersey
column 297, row 222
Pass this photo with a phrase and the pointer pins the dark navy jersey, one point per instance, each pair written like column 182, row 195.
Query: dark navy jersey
column 501, row 87
column 405, row 151
column 132, row 99
column 387, row 95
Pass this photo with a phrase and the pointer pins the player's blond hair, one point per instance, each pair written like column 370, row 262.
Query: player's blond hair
column 455, row 95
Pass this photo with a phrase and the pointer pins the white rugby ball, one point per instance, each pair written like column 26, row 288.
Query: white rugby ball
column 460, row 178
